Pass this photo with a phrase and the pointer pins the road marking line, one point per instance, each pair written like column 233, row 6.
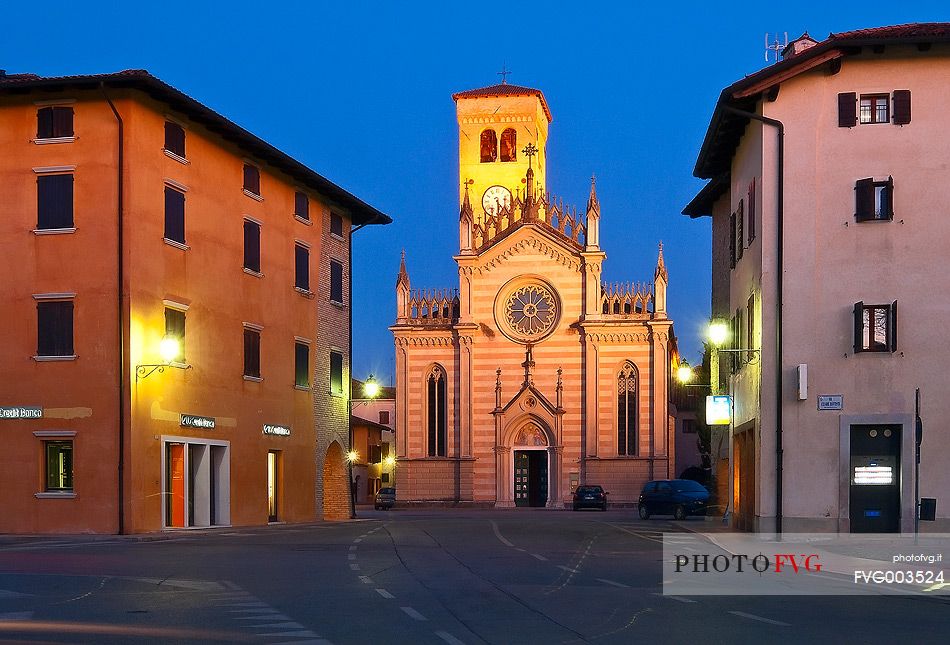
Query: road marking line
column 12, row 594
column 353, row 548
column 354, row 566
column 613, row 584
column 412, row 613
column 676, row 598
column 518, row 548
column 448, row 638
column 566, row 568
column 759, row 618
column 358, row 540
column 539, row 557
column 366, row 580
column 16, row 615
column 501, row 538
column 350, row 556
column 384, row 593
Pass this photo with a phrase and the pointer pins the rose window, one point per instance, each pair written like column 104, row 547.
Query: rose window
column 531, row 310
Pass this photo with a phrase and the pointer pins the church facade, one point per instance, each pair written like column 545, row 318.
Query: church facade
column 532, row 376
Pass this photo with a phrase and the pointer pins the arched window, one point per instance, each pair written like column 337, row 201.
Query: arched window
column 509, row 145
column 627, row 403
column 489, row 146
column 435, row 412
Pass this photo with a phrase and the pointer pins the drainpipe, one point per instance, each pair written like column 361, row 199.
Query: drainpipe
column 120, row 274
column 780, row 279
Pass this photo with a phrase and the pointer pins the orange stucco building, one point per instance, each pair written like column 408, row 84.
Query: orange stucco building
column 533, row 376
column 176, row 306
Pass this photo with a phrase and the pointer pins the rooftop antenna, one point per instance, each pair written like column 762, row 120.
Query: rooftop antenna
column 775, row 47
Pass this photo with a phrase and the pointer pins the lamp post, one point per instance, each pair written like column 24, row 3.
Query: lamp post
column 169, row 349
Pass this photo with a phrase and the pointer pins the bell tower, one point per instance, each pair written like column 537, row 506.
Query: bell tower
column 496, row 123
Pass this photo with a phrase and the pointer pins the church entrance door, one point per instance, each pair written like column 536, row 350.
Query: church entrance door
column 531, row 477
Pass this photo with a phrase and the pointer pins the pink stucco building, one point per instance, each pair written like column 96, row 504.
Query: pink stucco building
column 829, row 260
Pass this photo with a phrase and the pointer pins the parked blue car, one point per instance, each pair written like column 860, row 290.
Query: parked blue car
column 677, row 497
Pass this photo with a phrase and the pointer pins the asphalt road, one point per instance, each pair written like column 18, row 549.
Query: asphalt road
column 520, row 576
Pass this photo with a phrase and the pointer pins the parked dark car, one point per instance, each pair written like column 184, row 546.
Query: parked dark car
column 385, row 499
column 590, row 497
column 677, row 497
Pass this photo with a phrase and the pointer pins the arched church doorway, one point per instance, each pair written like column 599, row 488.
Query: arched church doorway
column 531, row 466
column 336, row 500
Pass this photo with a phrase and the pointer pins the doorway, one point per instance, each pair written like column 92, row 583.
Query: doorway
column 531, row 477
column 743, row 480
column 874, row 496
column 273, row 465
column 196, row 487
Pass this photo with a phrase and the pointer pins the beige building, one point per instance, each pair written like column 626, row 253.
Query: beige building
column 532, row 375
column 816, row 248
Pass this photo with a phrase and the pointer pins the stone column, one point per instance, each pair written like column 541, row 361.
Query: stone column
column 504, row 497
column 555, row 456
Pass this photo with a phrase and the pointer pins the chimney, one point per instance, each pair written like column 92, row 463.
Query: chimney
column 798, row 45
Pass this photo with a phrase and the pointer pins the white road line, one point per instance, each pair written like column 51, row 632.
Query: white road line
column 358, row 540
column 384, row 593
column 354, row 566
column 613, row 584
column 353, row 547
column 566, row 568
column 676, row 598
column 501, row 538
column 12, row 594
column 448, row 638
column 759, row 618
column 412, row 613
column 366, row 580
column 539, row 557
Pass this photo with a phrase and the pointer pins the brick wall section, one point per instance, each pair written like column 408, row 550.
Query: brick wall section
column 330, row 411
column 434, row 480
column 623, row 478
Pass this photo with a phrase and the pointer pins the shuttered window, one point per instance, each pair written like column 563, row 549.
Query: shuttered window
column 54, row 202
column 336, row 224
column 751, row 226
column 301, row 205
column 901, row 107
column 875, row 327
column 54, row 325
column 874, row 200
column 336, row 372
column 875, row 108
column 336, row 281
column 732, row 240
column 302, row 267
column 174, row 215
column 252, row 246
column 252, row 353
column 847, row 110
column 54, row 122
column 301, row 365
column 252, row 179
column 740, row 240
column 175, row 138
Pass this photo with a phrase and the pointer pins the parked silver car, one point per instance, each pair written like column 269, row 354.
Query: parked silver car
column 385, row 499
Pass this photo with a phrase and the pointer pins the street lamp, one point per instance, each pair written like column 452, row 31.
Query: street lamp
column 371, row 387
column 371, row 390
column 391, row 465
column 169, row 349
column 684, row 373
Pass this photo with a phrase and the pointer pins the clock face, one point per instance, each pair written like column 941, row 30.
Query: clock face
column 496, row 198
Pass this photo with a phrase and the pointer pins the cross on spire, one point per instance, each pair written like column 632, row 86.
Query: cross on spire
column 529, row 151
column 504, row 74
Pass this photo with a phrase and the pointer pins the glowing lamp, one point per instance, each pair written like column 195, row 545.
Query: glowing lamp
column 169, row 348
column 390, row 461
column 684, row 373
column 371, row 387
column 718, row 333
column 352, row 456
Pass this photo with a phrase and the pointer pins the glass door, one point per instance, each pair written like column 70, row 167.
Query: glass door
column 273, row 458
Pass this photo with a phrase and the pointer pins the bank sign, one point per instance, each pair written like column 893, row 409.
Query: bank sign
column 194, row 421
column 20, row 412
column 280, row 431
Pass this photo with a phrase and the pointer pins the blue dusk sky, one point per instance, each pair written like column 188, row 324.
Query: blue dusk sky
column 361, row 92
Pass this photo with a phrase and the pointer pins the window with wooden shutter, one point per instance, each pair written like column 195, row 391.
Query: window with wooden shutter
column 301, row 267
column 252, row 246
column 336, row 281
column 175, row 138
column 54, row 122
column 336, row 372
column 875, row 108
column 751, row 225
column 252, row 179
column 336, row 224
column 301, row 365
column 875, row 327
column 174, row 215
column 732, row 240
column 252, row 353
column 901, row 107
column 54, row 325
column 740, row 240
column 847, row 109
column 874, row 200
column 54, row 202
column 301, row 205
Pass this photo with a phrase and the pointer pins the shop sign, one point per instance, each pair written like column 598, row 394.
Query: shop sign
column 20, row 412
column 281, row 431
column 830, row 401
column 718, row 410
column 194, row 421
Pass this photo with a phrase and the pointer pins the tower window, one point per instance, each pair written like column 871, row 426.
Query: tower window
column 435, row 412
column 627, row 402
column 509, row 145
column 489, row 146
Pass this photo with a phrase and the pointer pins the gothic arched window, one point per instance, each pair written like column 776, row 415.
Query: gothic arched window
column 509, row 145
column 627, row 404
column 436, row 417
column 489, row 146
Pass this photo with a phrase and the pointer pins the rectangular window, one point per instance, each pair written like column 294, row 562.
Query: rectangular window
column 375, row 454
column 750, row 327
column 252, row 353
column 301, row 205
column 732, row 240
column 847, row 110
column 336, row 281
column 59, row 465
column 252, row 179
column 751, row 225
column 735, row 359
column 384, row 417
column 874, row 108
column 301, row 267
column 174, row 215
column 874, row 200
column 740, row 240
column 252, row 246
column 54, row 122
column 336, row 372
column 54, row 202
column 175, row 328
column 336, row 224
column 301, row 365
column 901, row 107
column 875, row 327
column 54, row 328
column 175, row 138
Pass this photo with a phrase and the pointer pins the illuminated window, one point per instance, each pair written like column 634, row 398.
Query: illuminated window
column 509, row 145
column 875, row 327
column 436, row 417
column 54, row 122
column 488, row 145
column 59, row 465
column 627, row 403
